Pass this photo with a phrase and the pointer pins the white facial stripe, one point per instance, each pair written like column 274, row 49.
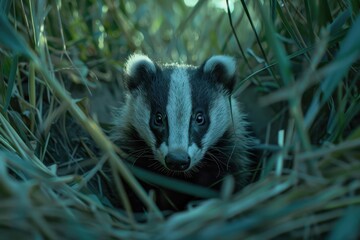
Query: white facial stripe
column 179, row 109
column 161, row 153
column 196, row 154
column 220, row 119
column 141, row 118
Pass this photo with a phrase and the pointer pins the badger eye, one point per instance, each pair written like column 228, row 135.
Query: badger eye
column 158, row 120
column 200, row 119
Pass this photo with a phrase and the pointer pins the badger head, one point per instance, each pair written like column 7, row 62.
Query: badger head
column 180, row 111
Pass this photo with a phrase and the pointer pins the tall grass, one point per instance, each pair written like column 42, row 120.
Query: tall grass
column 58, row 58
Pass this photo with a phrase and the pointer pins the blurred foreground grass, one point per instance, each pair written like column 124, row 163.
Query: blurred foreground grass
column 61, row 61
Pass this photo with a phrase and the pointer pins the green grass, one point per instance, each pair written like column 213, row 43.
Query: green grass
column 58, row 58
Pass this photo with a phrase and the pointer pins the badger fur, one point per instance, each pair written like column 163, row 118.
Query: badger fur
column 182, row 121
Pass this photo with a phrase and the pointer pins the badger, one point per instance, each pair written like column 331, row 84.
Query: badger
column 183, row 121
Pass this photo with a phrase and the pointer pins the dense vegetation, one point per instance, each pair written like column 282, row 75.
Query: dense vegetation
column 61, row 65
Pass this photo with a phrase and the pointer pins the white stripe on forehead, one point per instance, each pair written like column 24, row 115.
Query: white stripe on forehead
column 179, row 109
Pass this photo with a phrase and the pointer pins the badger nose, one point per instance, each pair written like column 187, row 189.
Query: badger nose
column 177, row 160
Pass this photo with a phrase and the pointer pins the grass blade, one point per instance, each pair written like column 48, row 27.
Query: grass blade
column 279, row 50
column 11, row 82
column 11, row 40
column 349, row 52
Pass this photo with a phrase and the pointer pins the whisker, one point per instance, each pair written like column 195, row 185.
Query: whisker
column 218, row 163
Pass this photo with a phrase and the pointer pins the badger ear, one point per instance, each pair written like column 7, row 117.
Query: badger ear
column 139, row 68
column 222, row 70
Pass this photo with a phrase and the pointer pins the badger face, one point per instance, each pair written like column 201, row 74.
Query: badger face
column 180, row 111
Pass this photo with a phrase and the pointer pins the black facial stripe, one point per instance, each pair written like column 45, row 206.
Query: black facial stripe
column 202, row 93
column 157, row 93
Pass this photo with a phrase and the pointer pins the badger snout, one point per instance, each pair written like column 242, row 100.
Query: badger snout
column 177, row 160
